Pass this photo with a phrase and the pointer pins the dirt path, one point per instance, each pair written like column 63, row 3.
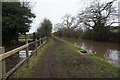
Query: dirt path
column 49, row 66
column 62, row 61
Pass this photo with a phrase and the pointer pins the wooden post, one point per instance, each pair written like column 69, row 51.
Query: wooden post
column 36, row 45
column 2, row 64
column 40, row 42
column 27, row 54
column 46, row 38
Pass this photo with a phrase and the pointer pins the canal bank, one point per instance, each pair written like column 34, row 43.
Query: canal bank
column 107, row 50
column 61, row 60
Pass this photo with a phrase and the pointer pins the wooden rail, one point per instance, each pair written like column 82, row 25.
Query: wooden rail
column 9, row 53
column 3, row 56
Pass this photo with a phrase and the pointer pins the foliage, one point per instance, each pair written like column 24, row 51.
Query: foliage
column 68, row 28
column 16, row 19
column 91, row 34
column 23, row 38
column 114, row 36
column 45, row 29
column 64, row 32
column 87, row 34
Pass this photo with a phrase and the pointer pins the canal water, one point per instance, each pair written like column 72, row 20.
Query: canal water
column 107, row 50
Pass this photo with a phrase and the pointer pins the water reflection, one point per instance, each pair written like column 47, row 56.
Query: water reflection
column 113, row 56
column 106, row 50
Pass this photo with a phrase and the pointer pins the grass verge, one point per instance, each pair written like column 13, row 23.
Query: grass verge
column 71, row 63
column 23, row 71
column 86, row 65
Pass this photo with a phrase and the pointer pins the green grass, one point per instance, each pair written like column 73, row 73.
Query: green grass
column 73, row 64
column 27, row 37
column 25, row 72
column 91, row 66
column 23, row 40
column 115, row 30
column 73, row 47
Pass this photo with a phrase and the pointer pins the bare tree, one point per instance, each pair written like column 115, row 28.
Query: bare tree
column 98, row 15
column 58, row 26
column 69, row 21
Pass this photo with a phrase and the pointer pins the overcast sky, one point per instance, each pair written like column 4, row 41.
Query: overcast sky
column 55, row 10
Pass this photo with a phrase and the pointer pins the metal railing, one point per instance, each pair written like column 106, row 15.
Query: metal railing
column 4, row 55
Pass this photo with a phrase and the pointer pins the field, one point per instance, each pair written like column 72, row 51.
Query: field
column 23, row 38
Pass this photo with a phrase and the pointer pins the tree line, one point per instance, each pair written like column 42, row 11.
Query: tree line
column 16, row 20
column 44, row 29
column 95, row 22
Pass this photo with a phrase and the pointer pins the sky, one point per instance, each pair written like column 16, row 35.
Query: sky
column 54, row 10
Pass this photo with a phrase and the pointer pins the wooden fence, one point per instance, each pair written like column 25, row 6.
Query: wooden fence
column 3, row 55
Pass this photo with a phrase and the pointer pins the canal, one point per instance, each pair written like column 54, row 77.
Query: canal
column 106, row 50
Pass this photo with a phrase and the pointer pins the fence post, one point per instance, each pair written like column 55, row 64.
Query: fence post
column 40, row 41
column 36, row 45
column 46, row 38
column 27, row 54
column 2, row 64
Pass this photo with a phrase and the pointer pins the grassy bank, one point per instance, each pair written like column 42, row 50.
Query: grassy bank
column 91, row 66
column 26, row 72
column 61, row 59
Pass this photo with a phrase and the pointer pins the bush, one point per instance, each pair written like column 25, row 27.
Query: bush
column 103, row 35
column 87, row 34
column 68, row 33
column 114, row 36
